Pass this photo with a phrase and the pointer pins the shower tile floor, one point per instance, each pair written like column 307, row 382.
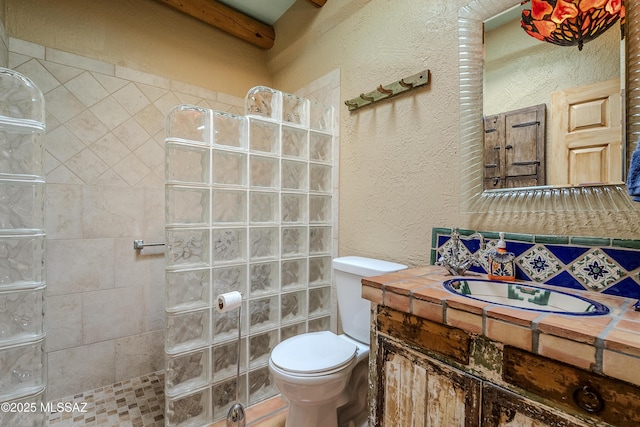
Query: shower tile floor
column 139, row 402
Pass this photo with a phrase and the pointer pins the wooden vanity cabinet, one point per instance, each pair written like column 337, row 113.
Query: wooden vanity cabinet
column 418, row 390
column 432, row 375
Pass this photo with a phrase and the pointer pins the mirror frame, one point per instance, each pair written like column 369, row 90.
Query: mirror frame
column 474, row 199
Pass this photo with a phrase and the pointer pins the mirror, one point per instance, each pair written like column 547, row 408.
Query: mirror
column 524, row 83
column 538, row 198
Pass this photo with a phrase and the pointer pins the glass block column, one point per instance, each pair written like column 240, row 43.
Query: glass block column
column 22, row 249
column 248, row 209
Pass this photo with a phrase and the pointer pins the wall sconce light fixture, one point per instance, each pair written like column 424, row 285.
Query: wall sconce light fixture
column 571, row 22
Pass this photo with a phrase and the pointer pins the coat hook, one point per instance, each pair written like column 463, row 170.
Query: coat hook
column 388, row 91
column 367, row 98
column 351, row 104
column 405, row 84
column 384, row 91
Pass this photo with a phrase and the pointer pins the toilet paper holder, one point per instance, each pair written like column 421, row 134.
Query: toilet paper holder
column 224, row 303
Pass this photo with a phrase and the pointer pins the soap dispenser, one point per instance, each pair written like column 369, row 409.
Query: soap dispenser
column 502, row 263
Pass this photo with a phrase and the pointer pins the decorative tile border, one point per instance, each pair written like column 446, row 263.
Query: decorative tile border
column 610, row 266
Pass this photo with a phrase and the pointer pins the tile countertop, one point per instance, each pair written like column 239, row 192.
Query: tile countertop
column 607, row 344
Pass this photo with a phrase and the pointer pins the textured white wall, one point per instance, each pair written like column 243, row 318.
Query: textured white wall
column 400, row 161
column 520, row 71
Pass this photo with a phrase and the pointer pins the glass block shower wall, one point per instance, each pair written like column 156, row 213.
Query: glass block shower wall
column 22, row 248
column 248, row 208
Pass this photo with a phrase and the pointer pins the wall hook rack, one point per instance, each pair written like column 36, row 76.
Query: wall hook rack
column 390, row 90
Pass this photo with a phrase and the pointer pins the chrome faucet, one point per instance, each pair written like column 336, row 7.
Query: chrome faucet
column 454, row 264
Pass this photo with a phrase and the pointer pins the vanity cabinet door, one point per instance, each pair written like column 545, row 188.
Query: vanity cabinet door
column 502, row 408
column 420, row 391
column 573, row 389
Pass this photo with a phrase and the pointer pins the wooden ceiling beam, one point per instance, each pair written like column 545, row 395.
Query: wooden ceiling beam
column 317, row 3
column 229, row 20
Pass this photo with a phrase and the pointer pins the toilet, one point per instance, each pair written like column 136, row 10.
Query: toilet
column 324, row 375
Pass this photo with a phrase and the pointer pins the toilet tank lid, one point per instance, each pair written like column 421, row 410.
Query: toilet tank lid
column 361, row 266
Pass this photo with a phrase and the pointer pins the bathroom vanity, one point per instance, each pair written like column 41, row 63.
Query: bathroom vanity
column 441, row 359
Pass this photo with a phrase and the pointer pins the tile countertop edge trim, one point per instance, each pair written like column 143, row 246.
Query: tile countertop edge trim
column 424, row 284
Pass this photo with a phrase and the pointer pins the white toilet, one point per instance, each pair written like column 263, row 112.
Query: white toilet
column 324, row 375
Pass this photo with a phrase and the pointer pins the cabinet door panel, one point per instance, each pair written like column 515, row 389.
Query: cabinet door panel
column 523, row 141
column 502, row 408
column 420, row 391
column 446, row 398
column 493, row 146
column 405, row 392
column 573, row 389
column 521, row 181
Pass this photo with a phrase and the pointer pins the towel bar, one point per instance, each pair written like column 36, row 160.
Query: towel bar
column 140, row 244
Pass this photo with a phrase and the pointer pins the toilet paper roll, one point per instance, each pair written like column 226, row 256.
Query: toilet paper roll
column 229, row 301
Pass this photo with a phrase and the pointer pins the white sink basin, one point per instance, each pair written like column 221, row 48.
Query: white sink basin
column 525, row 296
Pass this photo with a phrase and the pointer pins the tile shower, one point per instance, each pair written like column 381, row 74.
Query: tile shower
column 249, row 208
column 104, row 166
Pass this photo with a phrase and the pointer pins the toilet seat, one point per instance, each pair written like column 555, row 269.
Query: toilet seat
column 313, row 353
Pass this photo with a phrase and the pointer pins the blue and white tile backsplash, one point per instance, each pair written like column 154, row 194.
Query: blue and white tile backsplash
column 610, row 266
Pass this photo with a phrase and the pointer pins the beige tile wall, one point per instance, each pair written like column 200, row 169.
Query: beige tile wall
column 105, row 187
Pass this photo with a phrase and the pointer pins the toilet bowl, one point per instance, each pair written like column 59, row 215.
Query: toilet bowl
column 312, row 371
column 321, row 372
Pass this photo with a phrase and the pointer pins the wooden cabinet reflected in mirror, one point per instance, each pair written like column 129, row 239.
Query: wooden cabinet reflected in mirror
column 514, row 154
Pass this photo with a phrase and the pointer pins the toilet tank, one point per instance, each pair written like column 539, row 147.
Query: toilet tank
column 355, row 312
